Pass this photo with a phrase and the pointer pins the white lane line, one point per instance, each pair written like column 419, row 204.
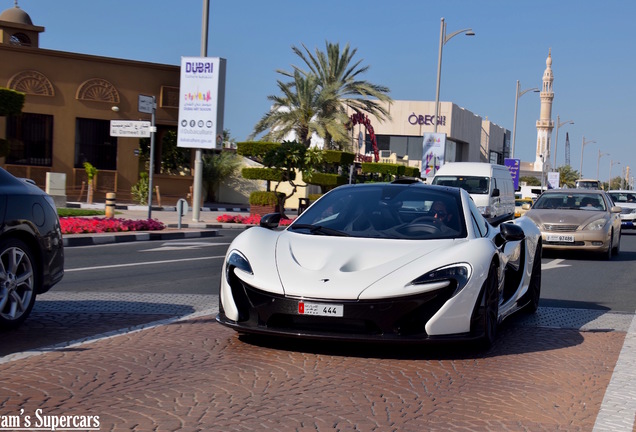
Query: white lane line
column 619, row 404
column 141, row 263
column 555, row 263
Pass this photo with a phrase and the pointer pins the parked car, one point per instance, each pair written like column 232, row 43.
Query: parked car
column 626, row 199
column 31, row 247
column 578, row 219
column 382, row 262
column 520, row 209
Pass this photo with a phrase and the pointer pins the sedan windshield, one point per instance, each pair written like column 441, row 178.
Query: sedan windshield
column 385, row 211
column 573, row 201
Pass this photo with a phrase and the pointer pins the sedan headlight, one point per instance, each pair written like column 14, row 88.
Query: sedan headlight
column 454, row 274
column 236, row 260
column 596, row 225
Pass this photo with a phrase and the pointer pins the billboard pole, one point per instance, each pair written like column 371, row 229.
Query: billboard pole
column 152, row 155
column 198, row 162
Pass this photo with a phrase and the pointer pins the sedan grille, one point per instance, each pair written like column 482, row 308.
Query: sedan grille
column 560, row 228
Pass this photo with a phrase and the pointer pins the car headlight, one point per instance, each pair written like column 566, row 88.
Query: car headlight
column 236, row 260
column 454, row 274
column 596, row 225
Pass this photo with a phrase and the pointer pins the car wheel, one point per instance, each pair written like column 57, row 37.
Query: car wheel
column 534, row 288
column 17, row 282
column 617, row 248
column 607, row 255
column 491, row 308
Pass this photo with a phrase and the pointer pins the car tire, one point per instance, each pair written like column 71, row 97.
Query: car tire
column 490, row 303
column 607, row 254
column 18, row 282
column 532, row 297
column 617, row 249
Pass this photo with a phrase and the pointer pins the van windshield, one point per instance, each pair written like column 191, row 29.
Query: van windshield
column 472, row 185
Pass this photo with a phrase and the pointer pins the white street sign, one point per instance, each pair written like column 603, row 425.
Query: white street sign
column 146, row 104
column 130, row 128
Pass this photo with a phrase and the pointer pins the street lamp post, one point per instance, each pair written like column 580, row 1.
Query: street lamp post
column 514, row 123
column 598, row 161
column 584, row 143
column 443, row 39
column 609, row 180
column 556, row 139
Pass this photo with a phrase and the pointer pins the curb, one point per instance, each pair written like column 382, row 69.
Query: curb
column 101, row 239
column 100, row 206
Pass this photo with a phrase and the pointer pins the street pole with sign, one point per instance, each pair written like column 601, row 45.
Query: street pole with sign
column 148, row 105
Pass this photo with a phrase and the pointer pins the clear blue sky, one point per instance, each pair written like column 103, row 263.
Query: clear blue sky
column 592, row 42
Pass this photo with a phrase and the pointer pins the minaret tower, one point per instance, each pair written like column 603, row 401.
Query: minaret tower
column 545, row 123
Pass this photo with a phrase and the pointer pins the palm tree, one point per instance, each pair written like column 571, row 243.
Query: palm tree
column 336, row 74
column 303, row 108
column 567, row 176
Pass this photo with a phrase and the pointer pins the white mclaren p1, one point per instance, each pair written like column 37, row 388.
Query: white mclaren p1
column 382, row 262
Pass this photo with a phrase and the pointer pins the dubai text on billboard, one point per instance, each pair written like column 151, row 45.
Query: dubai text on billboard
column 201, row 103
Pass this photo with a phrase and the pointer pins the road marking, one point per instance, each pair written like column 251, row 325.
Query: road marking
column 182, row 246
column 619, row 404
column 142, row 263
column 556, row 263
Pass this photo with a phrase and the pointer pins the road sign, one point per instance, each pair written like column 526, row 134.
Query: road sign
column 146, row 104
column 130, row 128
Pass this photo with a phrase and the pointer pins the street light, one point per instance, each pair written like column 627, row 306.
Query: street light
column 609, row 181
column 582, row 147
column 556, row 139
column 598, row 161
column 443, row 39
column 514, row 123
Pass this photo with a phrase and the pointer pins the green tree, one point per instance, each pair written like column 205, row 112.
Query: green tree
column 301, row 108
column 530, row 181
column 338, row 74
column 218, row 167
column 11, row 103
column 567, row 176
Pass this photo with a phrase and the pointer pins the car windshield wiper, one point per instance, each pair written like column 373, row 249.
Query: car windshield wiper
column 319, row 229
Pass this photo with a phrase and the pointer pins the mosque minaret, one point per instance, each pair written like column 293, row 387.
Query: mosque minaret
column 545, row 123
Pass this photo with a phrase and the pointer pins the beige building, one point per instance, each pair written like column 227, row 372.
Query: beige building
column 70, row 101
column 469, row 138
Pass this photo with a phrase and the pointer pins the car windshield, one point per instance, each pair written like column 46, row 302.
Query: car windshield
column 472, row 185
column 623, row 197
column 570, row 201
column 385, row 211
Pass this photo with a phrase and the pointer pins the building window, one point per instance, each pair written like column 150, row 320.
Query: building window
column 94, row 144
column 30, row 139
column 20, row 39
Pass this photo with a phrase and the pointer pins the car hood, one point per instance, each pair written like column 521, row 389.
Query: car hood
column 564, row 217
column 343, row 267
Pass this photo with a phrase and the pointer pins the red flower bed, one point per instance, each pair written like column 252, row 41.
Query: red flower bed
column 247, row 220
column 75, row 225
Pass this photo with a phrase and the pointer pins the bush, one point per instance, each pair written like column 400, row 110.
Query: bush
column 139, row 191
column 265, row 198
column 71, row 225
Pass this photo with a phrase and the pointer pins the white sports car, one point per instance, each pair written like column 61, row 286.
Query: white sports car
column 382, row 262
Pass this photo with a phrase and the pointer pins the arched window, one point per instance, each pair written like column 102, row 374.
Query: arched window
column 20, row 39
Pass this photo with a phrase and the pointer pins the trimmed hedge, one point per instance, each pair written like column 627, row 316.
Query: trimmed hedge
column 255, row 148
column 328, row 180
column 314, row 197
column 410, row 171
column 269, row 174
column 338, row 157
column 265, row 198
column 11, row 102
column 383, row 168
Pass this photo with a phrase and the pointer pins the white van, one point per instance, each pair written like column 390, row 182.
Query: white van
column 489, row 185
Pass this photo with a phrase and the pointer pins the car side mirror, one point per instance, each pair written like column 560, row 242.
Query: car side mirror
column 270, row 220
column 511, row 232
column 526, row 206
column 616, row 209
column 495, row 192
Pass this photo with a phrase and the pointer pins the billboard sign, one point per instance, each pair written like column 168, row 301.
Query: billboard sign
column 513, row 166
column 433, row 153
column 201, row 102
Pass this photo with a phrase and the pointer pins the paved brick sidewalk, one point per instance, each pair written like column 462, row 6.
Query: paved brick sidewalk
column 196, row 375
